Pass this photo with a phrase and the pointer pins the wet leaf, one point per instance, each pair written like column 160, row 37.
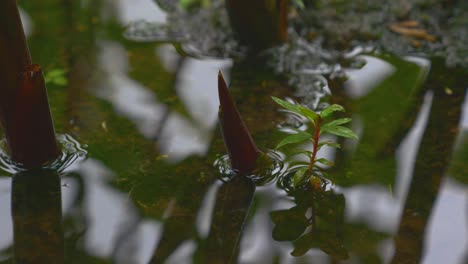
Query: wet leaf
column 337, row 122
column 340, row 131
column 330, row 110
column 298, row 109
column 294, row 138
column 287, row 105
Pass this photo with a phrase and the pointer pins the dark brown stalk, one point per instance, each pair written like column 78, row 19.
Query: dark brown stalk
column 24, row 108
column 239, row 143
column 259, row 24
column 14, row 57
column 31, row 137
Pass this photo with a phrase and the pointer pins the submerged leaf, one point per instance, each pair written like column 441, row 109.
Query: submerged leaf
column 301, row 151
column 330, row 110
column 289, row 224
column 299, row 176
column 294, row 138
column 340, row 131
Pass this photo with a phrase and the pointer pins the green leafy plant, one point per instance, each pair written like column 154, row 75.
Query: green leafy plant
column 321, row 124
column 188, row 4
column 56, row 77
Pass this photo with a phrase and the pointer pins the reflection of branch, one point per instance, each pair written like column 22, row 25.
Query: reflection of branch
column 232, row 207
column 79, row 58
column 165, row 116
column 433, row 158
column 124, row 244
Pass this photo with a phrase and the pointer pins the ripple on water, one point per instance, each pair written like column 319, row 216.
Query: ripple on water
column 270, row 167
column 72, row 152
column 286, row 181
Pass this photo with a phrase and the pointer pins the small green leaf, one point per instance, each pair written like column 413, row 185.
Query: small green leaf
column 330, row 144
column 56, row 77
column 337, row 122
column 292, row 107
column 298, row 109
column 325, row 162
column 299, row 176
column 311, row 115
column 340, row 131
column 299, row 4
column 294, row 138
column 61, row 81
column 330, row 110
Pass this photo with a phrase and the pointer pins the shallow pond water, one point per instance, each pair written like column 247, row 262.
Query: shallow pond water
column 139, row 100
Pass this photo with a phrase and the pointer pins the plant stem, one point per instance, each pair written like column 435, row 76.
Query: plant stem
column 15, row 57
column 259, row 24
column 315, row 143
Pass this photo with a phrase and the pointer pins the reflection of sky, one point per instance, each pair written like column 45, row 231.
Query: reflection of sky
column 447, row 234
column 197, row 89
column 408, row 149
column 447, row 230
column 196, row 86
column 362, row 81
column 110, row 212
column 129, row 98
column 6, row 227
column 27, row 23
column 376, row 205
column 464, row 118
column 131, row 10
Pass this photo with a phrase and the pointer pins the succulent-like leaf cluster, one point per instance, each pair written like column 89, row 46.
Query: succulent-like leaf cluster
column 321, row 123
